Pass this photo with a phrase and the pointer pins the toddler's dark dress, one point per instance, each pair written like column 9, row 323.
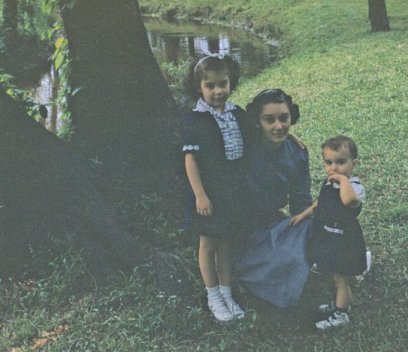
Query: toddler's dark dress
column 337, row 244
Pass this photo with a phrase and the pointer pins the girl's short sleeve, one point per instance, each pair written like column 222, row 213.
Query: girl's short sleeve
column 189, row 136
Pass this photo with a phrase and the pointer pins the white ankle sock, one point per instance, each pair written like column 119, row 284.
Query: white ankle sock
column 226, row 292
column 234, row 308
column 213, row 293
column 217, row 304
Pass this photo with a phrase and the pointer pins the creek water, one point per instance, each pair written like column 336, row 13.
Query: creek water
column 176, row 42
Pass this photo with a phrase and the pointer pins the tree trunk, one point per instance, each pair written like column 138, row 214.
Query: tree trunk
column 124, row 115
column 54, row 95
column 377, row 13
column 10, row 21
column 47, row 192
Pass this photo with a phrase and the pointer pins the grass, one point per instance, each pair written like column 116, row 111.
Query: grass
column 346, row 80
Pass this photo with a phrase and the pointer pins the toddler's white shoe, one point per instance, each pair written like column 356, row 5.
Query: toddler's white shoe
column 330, row 308
column 335, row 320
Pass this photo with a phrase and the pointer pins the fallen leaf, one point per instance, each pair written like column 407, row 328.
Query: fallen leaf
column 48, row 336
column 54, row 333
column 38, row 343
column 28, row 285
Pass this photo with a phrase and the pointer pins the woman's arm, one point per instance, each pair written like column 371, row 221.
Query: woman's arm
column 307, row 213
column 203, row 203
column 300, row 182
column 297, row 140
column 301, row 204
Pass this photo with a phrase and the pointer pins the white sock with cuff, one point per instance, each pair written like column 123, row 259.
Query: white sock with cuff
column 217, row 305
column 233, row 307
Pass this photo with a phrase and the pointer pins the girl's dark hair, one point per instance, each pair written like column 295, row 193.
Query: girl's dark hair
column 268, row 96
column 338, row 142
column 204, row 63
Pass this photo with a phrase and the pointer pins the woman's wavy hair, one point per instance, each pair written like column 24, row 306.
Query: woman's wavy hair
column 205, row 63
column 268, row 96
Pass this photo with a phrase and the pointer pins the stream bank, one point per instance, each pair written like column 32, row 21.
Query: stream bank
column 254, row 16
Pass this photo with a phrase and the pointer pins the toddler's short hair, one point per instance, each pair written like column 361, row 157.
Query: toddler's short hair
column 340, row 141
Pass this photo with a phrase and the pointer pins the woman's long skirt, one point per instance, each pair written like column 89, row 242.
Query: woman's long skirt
column 275, row 264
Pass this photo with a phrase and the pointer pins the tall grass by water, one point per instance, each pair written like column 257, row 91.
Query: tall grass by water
column 346, row 80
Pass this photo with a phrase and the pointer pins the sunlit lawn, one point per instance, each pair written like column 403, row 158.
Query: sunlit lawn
column 350, row 82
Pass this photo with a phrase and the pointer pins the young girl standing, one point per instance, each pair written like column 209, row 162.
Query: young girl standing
column 213, row 146
column 337, row 240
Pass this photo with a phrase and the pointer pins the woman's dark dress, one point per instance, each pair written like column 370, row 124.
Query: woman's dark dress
column 274, row 265
column 337, row 240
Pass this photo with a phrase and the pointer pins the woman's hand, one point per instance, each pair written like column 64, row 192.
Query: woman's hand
column 296, row 219
column 204, row 206
column 307, row 213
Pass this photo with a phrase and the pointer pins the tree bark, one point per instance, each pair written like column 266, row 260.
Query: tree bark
column 48, row 192
column 10, row 17
column 377, row 13
column 54, row 95
column 124, row 115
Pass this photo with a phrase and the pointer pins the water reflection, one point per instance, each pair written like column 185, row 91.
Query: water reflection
column 44, row 95
column 175, row 42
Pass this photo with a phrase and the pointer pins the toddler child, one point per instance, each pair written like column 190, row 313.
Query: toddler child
column 337, row 243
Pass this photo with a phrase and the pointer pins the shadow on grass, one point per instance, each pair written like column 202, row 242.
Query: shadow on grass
column 398, row 23
column 300, row 319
